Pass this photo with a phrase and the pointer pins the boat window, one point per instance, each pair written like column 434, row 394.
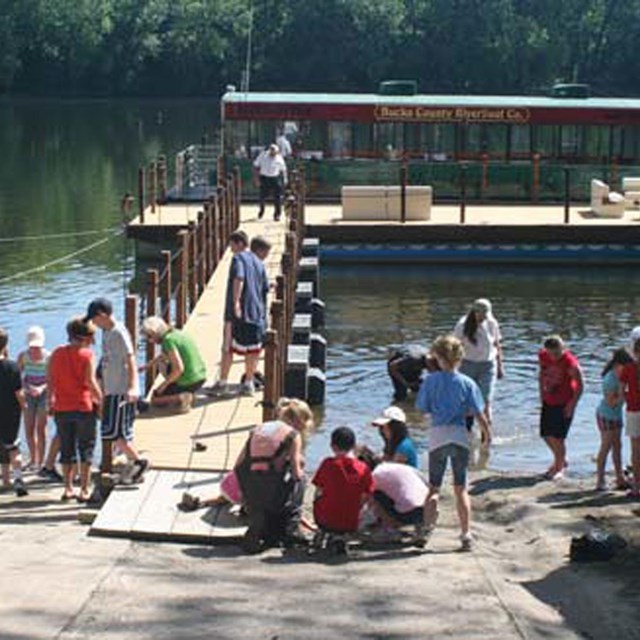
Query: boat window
column 495, row 140
column 340, row 139
column 362, row 136
column 520, row 141
column 626, row 143
column 312, row 139
column 571, row 137
column 414, row 146
column 439, row 142
column 236, row 138
column 596, row 143
column 262, row 134
column 389, row 139
column 546, row 140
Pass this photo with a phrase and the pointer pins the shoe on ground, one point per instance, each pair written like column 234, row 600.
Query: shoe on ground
column 186, row 402
column 421, row 536
column 601, row 486
column 218, row 389
column 466, row 542
column 43, row 472
column 260, row 213
column 276, row 218
column 247, row 388
column 53, row 475
column 19, row 488
column 142, row 405
column 139, row 467
column 189, row 502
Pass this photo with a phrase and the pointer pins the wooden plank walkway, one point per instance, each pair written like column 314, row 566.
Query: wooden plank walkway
column 149, row 511
column 219, row 426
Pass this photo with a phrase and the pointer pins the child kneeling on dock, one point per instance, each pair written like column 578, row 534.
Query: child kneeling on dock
column 343, row 484
column 449, row 396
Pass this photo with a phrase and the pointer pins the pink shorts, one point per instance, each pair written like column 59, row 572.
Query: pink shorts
column 230, row 488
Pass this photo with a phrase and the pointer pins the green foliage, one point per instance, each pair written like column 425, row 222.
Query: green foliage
column 186, row 47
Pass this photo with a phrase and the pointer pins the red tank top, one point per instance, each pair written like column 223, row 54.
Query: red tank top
column 67, row 371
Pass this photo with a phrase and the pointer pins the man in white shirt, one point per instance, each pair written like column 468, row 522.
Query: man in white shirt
column 284, row 145
column 270, row 165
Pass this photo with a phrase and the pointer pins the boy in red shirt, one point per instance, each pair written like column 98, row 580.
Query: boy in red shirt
column 561, row 385
column 630, row 379
column 343, row 484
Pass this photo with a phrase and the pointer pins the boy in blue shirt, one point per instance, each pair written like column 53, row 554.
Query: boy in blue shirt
column 449, row 396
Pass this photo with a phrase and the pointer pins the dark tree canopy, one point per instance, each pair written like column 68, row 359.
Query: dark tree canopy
column 196, row 47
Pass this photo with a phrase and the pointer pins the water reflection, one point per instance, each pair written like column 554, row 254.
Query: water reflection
column 371, row 309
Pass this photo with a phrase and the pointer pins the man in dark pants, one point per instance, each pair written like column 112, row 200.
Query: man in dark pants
column 271, row 170
column 405, row 367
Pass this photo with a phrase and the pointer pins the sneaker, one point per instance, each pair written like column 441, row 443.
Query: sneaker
column 421, row 536
column 186, row 401
column 19, row 488
column 43, row 472
column 139, row 466
column 53, row 475
column 142, row 405
column 218, row 389
column 466, row 542
column 247, row 388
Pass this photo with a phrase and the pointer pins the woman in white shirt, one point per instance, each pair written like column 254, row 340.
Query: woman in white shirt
column 479, row 333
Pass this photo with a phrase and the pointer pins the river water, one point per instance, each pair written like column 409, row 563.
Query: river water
column 66, row 165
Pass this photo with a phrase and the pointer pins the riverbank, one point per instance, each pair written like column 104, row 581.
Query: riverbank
column 57, row 582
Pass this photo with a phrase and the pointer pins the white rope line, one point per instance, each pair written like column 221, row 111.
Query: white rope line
column 54, row 236
column 47, row 265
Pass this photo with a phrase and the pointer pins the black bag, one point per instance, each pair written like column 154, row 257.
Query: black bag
column 595, row 546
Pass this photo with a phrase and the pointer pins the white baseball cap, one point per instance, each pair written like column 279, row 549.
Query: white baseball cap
column 390, row 413
column 35, row 337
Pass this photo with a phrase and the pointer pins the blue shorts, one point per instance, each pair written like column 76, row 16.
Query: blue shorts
column 459, row 456
column 247, row 338
column 482, row 373
column 36, row 404
column 117, row 418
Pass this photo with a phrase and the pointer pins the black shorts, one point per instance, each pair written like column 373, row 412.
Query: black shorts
column 77, row 431
column 9, row 428
column 247, row 337
column 117, row 418
column 553, row 422
column 415, row 516
column 175, row 389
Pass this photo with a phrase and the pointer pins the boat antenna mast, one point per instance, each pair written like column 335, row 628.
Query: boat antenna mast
column 245, row 82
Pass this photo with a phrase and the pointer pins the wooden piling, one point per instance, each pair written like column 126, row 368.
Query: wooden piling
column 271, row 376
column 152, row 310
column 165, row 286
column 183, row 277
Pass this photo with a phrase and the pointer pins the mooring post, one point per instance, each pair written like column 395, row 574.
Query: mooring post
column 535, row 179
column 229, row 206
column 152, row 310
column 463, row 193
column 277, row 324
column 202, row 253
column 403, row 191
column 215, row 240
column 183, row 268
column 567, row 195
column 165, row 286
column 141, row 202
column 271, row 365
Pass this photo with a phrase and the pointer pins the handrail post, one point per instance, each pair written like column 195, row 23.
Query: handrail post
column 165, row 286
column 192, row 268
column 535, row 168
column 215, row 233
column 271, row 366
column 403, row 192
column 222, row 234
column 463, row 193
column 277, row 324
column 152, row 310
column 201, row 253
column 141, row 202
column 162, row 177
column 153, row 186
column 220, row 170
column 567, row 195
column 237, row 190
column 183, row 267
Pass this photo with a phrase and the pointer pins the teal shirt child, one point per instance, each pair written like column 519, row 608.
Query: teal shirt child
column 611, row 384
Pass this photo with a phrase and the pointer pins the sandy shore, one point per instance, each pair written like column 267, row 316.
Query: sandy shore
column 59, row 583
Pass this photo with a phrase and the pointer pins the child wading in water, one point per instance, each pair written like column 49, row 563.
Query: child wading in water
column 11, row 405
column 630, row 379
column 609, row 417
column 449, row 396
column 561, row 385
column 33, row 365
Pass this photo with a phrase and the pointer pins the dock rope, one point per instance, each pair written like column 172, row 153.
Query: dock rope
column 56, row 236
column 68, row 256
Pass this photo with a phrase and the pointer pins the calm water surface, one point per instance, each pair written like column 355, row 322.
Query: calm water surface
column 371, row 309
column 66, row 165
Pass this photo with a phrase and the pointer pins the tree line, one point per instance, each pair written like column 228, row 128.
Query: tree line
column 196, row 47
